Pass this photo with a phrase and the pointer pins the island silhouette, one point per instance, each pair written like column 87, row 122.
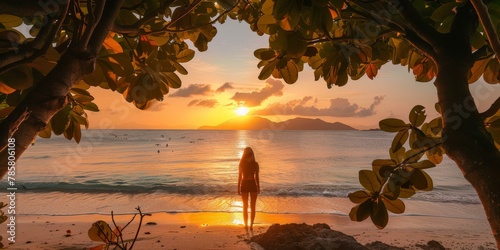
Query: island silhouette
column 259, row 123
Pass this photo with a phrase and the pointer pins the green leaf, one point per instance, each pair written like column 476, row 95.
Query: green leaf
column 394, row 206
column 10, row 20
column 359, row 197
column 265, row 23
column 368, row 179
column 172, row 79
column 393, row 125
column 423, row 164
column 478, row 69
column 77, row 132
column 398, row 156
column 178, row 67
column 60, row 121
column 406, row 192
column 80, row 119
column 379, row 214
column 443, row 11
column 185, row 55
column 90, row 106
column 295, row 47
column 435, row 155
column 267, row 70
column 492, row 71
column 362, row 211
column 19, row 78
column 268, row 55
column 417, row 116
column 421, row 180
column 383, row 162
column 399, row 140
column 290, row 72
column 46, row 132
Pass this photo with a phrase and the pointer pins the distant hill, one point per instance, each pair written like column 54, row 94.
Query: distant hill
column 258, row 123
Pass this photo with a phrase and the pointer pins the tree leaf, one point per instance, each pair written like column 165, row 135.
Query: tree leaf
column 290, row 72
column 393, row 125
column 435, row 155
column 379, row 214
column 491, row 72
column 368, row 179
column 421, row 180
column 417, row 115
column 10, row 20
column 362, row 211
column 399, row 140
column 478, row 69
column 383, row 162
column 265, row 23
column 267, row 70
column 406, row 192
column 77, row 132
column 359, row 197
column 172, row 79
column 423, row 164
column 100, row 231
column 60, row 121
column 111, row 44
column 20, row 77
column 5, row 89
column 443, row 11
column 46, row 132
column 90, row 106
column 185, row 55
column 371, row 70
column 396, row 206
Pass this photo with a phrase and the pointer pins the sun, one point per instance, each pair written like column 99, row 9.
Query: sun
column 241, row 111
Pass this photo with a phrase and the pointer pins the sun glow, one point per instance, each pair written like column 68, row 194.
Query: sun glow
column 241, row 111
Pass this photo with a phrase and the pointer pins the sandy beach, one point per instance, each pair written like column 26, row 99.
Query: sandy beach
column 222, row 230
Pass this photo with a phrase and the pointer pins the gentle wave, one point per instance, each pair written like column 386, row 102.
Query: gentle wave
column 439, row 194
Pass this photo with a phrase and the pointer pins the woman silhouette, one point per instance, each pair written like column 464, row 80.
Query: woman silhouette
column 248, row 182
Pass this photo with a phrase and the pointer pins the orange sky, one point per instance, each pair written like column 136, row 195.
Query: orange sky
column 225, row 77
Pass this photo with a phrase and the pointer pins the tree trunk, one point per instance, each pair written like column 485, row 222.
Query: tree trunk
column 50, row 94
column 465, row 138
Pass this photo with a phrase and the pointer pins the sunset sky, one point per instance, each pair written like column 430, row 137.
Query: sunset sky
column 225, row 77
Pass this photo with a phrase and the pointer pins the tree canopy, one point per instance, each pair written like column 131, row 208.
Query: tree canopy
column 137, row 48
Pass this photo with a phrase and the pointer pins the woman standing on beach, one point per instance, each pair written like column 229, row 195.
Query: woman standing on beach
column 248, row 182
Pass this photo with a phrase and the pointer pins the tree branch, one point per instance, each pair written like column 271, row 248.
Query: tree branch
column 197, row 27
column 416, row 22
column 191, row 8
column 492, row 110
column 103, row 27
column 347, row 38
column 465, row 22
column 31, row 7
column 94, row 17
column 28, row 52
column 489, row 28
column 134, row 28
column 424, row 47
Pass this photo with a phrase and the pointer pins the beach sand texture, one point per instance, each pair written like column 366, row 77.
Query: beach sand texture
column 220, row 230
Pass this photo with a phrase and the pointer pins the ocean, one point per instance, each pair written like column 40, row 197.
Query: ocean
column 179, row 171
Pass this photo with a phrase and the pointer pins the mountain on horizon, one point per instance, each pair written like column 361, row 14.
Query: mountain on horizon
column 258, row 123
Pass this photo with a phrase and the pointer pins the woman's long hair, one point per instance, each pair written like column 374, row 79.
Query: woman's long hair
column 248, row 152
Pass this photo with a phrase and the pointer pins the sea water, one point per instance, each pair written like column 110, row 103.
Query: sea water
column 197, row 170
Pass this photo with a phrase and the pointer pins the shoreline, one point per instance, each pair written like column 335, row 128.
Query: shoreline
column 224, row 230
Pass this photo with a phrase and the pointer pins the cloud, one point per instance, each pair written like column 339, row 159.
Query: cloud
column 224, row 87
column 193, row 89
column 339, row 107
column 209, row 103
column 255, row 98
